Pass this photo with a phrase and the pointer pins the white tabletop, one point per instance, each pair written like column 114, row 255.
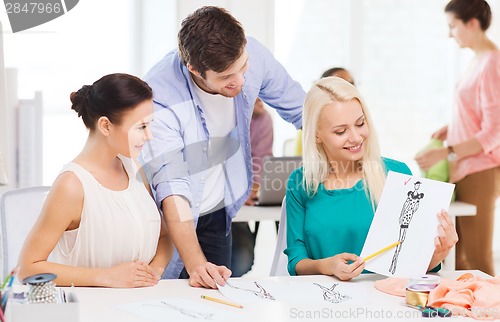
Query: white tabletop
column 97, row 304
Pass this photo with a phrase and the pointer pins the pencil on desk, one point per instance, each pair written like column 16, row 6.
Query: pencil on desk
column 381, row 251
column 221, row 301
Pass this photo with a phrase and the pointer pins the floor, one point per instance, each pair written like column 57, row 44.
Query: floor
column 266, row 241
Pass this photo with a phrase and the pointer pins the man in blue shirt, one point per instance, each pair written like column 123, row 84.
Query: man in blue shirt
column 199, row 161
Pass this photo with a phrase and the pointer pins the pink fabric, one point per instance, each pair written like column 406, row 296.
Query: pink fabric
column 392, row 285
column 477, row 114
column 474, row 297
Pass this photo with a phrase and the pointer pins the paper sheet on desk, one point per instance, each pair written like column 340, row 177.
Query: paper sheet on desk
column 329, row 292
column 179, row 310
column 245, row 291
column 407, row 212
column 319, row 290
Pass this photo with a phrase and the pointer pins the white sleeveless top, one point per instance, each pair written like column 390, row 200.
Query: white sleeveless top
column 115, row 227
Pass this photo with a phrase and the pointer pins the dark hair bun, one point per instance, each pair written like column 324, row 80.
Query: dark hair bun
column 110, row 96
column 80, row 99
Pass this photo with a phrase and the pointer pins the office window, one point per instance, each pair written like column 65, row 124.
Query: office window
column 399, row 52
column 59, row 57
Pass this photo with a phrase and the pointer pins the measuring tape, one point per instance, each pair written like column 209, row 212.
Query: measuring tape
column 418, row 289
column 425, row 280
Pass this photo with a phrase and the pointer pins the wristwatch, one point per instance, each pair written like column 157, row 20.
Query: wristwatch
column 452, row 156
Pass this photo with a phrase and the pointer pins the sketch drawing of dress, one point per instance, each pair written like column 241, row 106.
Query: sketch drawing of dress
column 191, row 313
column 409, row 208
column 261, row 293
column 332, row 296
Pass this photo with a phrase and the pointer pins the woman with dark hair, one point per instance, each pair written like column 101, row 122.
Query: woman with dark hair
column 473, row 136
column 100, row 222
column 339, row 72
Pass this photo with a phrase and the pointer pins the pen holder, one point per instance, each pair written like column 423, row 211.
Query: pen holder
column 22, row 311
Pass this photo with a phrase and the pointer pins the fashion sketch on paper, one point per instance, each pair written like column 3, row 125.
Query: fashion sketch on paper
column 410, row 207
column 332, row 296
column 262, row 292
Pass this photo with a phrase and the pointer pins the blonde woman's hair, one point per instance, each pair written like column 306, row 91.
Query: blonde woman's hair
column 316, row 166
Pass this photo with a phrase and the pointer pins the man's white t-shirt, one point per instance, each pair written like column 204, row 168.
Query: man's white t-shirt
column 220, row 118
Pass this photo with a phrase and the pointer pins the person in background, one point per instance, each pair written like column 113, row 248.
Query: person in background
column 331, row 200
column 199, row 159
column 473, row 135
column 99, row 220
column 339, row 72
column 261, row 142
column 334, row 71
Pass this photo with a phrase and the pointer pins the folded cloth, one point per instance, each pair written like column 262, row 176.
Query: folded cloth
column 474, row 297
column 439, row 171
column 392, row 285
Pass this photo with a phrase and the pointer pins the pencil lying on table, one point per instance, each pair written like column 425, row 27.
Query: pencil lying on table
column 221, row 301
column 381, row 251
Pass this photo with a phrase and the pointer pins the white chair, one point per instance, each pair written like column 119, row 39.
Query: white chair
column 19, row 209
column 280, row 260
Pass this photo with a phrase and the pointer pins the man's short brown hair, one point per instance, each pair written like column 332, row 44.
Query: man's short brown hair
column 210, row 38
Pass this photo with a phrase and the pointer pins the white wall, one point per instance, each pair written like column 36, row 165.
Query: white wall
column 384, row 42
column 153, row 32
column 256, row 16
column 3, row 113
column 71, row 52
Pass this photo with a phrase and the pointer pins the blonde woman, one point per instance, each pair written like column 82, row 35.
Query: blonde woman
column 331, row 200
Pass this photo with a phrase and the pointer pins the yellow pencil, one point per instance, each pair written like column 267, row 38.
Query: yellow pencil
column 221, row 301
column 381, row 251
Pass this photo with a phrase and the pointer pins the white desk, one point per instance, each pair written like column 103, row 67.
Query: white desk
column 258, row 213
column 251, row 213
column 97, row 304
column 254, row 213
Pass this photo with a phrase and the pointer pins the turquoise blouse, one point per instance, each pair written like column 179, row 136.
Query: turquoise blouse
column 329, row 223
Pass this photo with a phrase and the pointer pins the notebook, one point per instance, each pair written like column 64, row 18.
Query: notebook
column 274, row 177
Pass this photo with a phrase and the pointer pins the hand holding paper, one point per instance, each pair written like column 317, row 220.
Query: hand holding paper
column 406, row 213
column 446, row 239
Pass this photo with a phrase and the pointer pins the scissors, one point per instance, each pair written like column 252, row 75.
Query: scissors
column 431, row 312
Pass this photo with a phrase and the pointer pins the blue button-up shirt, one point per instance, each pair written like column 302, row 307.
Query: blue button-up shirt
column 178, row 153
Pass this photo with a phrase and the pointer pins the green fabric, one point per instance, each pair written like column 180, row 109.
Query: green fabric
column 440, row 171
column 331, row 222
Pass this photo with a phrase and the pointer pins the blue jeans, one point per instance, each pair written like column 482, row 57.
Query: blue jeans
column 215, row 244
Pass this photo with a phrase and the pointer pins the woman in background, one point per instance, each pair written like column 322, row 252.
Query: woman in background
column 473, row 136
column 99, row 221
column 331, row 200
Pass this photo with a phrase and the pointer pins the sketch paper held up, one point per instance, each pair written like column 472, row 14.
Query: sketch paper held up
column 407, row 212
